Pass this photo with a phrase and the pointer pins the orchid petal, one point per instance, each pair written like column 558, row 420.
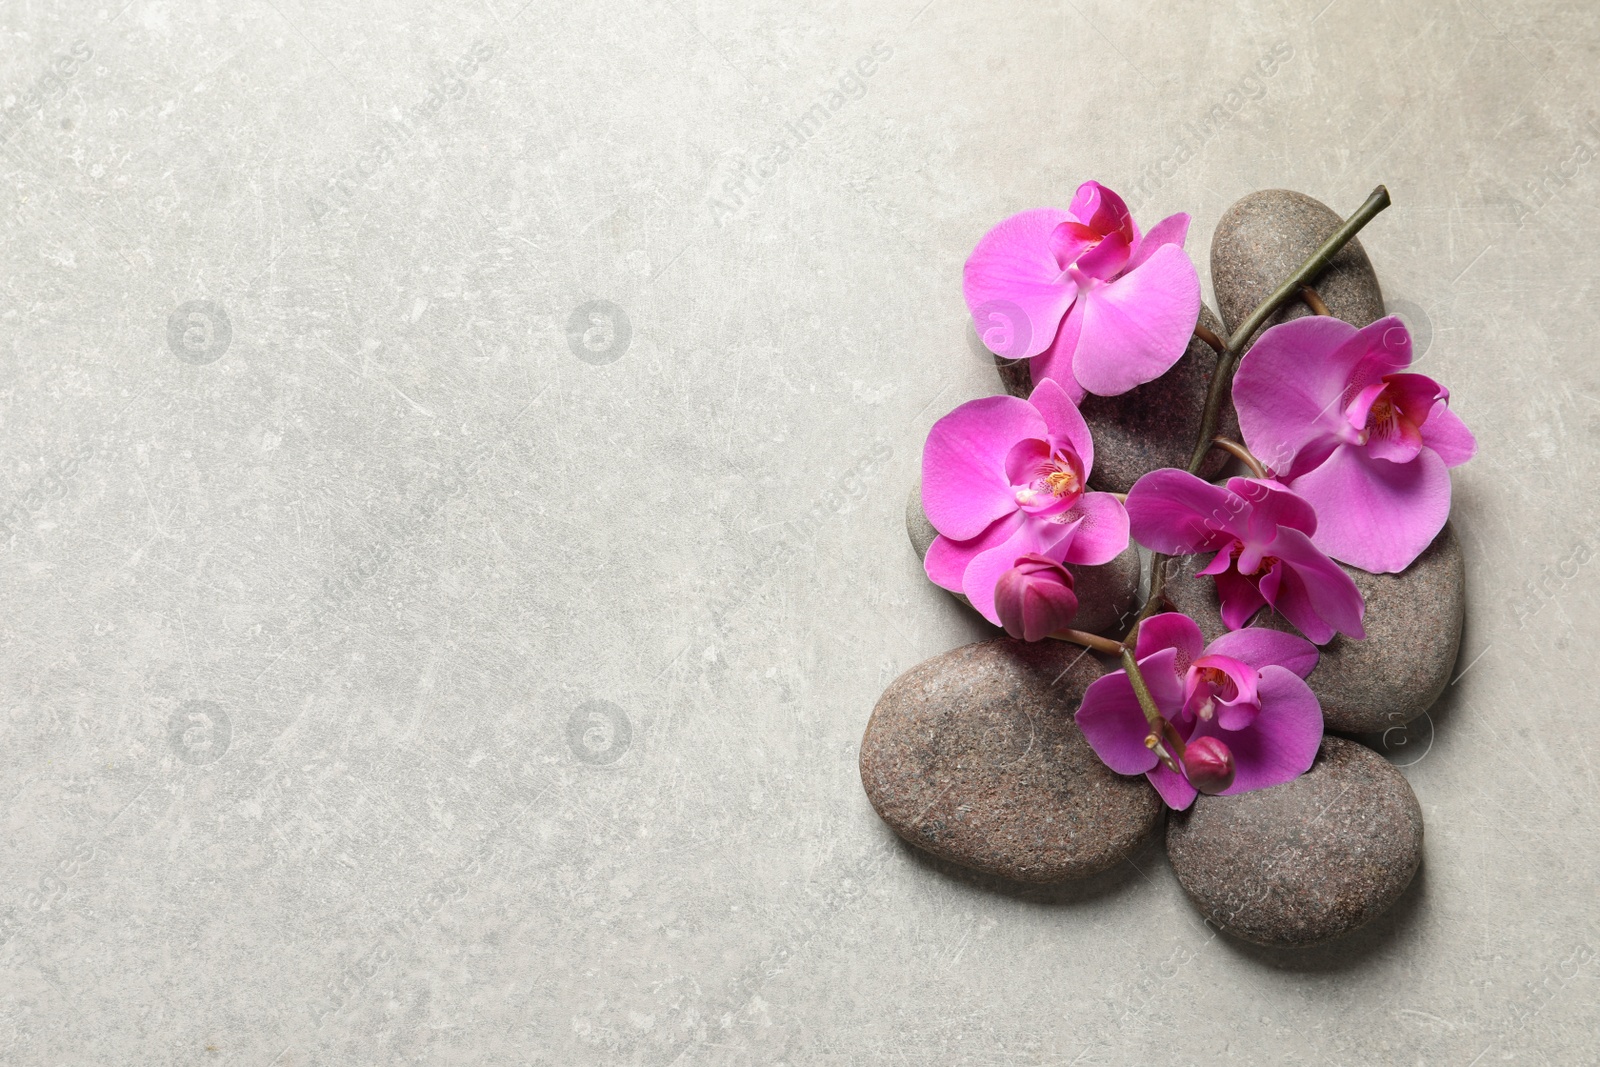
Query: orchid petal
column 1172, row 230
column 1175, row 790
column 1261, row 648
column 1282, row 742
column 1055, row 363
column 1063, row 421
column 1174, row 512
column 1105, row 260
column 1102, row 529
column 1239, row 599
column 1290, row 386
column 1137, row 327
column 1013, row 269
column 1170, row 629
column 948, row 559
column 1313, row 592
column 1272, row 505
column 1101, row 210
column 1374, row 514
column 964, row 488
column 1446, row 434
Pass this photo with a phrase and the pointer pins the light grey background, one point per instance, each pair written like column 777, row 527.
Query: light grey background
column 395, row 686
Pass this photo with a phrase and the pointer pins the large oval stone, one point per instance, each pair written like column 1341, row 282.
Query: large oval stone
column 1152, row 426
column 1264, row 237
column 1108, row 595
column 1305, row 861
column 1413, row 625
column 974, row 757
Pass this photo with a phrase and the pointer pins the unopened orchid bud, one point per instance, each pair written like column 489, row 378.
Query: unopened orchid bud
column 1208, row 764
column 1034, row 598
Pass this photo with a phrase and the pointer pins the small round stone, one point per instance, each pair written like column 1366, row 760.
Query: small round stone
column 1108, row 595
column 1264, row 237
column 1305, row 861
column 1413, row 624
column 974, row 757
column 1155, row 425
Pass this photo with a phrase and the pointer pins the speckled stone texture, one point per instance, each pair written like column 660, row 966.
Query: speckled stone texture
column 1413, row 625
column 1016, row 377
column 1195, row 594
column 1260, row 241
column 1156, row 424
column 1306, row 861
column 1108, row 595
column 974, row 757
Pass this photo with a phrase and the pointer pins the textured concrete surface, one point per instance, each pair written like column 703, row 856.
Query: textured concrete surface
column 458, row 653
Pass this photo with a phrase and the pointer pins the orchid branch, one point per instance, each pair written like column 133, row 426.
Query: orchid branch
column 1206, row 334
column 1307, row 271
column 1229, row 355
column 1088, row 640
column 1313, row 300
column 1242, row 454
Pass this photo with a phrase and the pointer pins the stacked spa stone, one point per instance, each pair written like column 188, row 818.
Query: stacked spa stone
column 974, row 756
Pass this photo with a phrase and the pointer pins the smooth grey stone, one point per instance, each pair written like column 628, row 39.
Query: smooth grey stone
column 1015, row 376
column 1264, row 237
column 974, row 757
column 1108, row 595
column 1413, row 625
column 1306, row 861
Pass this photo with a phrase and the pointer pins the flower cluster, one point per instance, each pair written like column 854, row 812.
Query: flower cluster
column 1351, row 452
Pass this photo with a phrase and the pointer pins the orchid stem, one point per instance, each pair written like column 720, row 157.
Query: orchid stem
column 1313, row 301
column 1147, row 703
column 1241, row 453
column 1229, row 354
column 1099, row 644
column 1306, row 272
column 1206, row 334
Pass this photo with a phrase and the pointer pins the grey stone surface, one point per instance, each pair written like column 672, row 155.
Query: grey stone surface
column 428, row 676
column 1306, row 861
column 974, row 757
column 1108, row 595
column 1016, row 376
column 1265, row 236
column 1413, row 624
column 1195, row 595
column 1156, row 425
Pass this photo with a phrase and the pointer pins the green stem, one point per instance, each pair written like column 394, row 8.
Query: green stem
column 1223, row 376
column 1087, row 640
column 1147, row 703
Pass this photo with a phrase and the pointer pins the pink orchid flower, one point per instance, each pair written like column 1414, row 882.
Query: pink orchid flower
column 1004, row 478
column 1096, row 305
column 1265, row 554
column 1330, row 409
column 1239, row 709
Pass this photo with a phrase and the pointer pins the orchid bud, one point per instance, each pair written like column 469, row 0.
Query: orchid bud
column 1034, row 598
column 1208, row 765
